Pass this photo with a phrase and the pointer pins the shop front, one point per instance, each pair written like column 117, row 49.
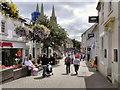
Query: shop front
column 12, row 52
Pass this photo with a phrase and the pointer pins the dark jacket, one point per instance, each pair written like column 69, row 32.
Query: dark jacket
column 44, row 60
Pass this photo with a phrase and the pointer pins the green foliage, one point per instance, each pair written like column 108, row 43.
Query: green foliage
column 76, row 44
column 16, row 63
column 34, row 61
column 57, row 36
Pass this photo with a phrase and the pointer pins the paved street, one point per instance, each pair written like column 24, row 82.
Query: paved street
column 87, row 78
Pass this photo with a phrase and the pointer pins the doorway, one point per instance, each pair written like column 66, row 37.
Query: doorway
column 109, row 70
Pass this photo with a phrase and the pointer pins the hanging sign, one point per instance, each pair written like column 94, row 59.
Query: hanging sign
column 93, row 19
column 19, row 53
column 8, row 44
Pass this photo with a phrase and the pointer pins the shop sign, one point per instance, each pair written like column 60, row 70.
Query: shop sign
column 93, row 19
column 8, row 44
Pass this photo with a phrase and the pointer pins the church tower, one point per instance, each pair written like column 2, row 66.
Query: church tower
column 42, row 11
column 37, row 8
column 53, row 17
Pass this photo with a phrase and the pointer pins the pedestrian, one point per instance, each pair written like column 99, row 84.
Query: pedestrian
column 95, row 62
column 29, row 65
column 68, row 61
column 76, row 63
column 30, row 57
column 72, row 57
column 83, row 56
column 44, row 64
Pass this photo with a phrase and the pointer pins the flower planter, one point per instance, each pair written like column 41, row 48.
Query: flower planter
column 6, row 74
column 20, row 72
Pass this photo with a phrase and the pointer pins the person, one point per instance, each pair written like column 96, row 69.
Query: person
column 29, row 65
column 39, row 59
column 44, row 64
column 68, row 61
column 76, row 63
column 30, row 57
column 72, row 57
column 96, row 59
column 83, row 56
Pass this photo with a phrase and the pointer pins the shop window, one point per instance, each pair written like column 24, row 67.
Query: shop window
column 2, row 26
column 115, row 55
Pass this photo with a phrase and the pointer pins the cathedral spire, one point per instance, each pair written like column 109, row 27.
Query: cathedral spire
column 37, row 8
column 53, row 12
column 42, row 10
column 53, row 18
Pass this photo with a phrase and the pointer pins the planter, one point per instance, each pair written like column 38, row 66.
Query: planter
column 20, row 72
column 6, row 74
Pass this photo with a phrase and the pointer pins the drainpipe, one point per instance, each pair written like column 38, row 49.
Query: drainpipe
column 119, row 44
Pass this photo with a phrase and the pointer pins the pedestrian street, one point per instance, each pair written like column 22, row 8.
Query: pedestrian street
column 86, row 78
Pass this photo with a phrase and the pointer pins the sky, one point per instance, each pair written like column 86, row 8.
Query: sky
column 71, row 14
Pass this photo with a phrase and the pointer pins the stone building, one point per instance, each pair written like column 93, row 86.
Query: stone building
column 90, row 42
column 109, row 38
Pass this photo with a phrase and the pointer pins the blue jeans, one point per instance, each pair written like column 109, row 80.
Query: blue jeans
column 44, row 71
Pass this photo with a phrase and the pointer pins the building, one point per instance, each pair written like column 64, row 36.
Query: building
column 90, row 42
column 109, row 40
column 11, row 45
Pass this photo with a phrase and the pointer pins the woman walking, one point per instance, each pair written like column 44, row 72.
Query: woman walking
column 76, row 63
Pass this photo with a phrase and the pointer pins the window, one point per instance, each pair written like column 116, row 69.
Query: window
column 102, row 11
column 102, row 43
column 2, row 26
column 110, row 6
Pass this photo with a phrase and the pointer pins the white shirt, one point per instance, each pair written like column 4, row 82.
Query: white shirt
column 76, row 61
column 28, row 63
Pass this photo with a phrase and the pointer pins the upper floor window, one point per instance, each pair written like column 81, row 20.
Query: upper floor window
column 2, row 26
column 110, row 5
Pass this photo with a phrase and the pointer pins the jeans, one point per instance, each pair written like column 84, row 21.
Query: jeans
column 44, row 71
column 67, row 69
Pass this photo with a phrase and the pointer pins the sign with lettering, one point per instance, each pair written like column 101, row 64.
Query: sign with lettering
column 90, row 35
column 8, row 44
column 93, row 19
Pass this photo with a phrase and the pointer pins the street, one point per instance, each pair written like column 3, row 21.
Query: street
column 87, row 78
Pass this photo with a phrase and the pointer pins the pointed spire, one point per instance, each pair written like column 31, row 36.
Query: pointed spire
column 37, row 8
column 42, row 10
column 53, row 12
column 53, row 18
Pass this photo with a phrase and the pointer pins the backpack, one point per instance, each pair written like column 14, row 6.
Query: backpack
column 67, row 61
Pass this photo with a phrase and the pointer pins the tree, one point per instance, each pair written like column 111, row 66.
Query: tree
column 76, row 44
column 57, row 35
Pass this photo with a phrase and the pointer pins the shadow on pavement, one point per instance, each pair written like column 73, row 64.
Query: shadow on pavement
column 73, row 74
column 64, row 74
column 39, row 77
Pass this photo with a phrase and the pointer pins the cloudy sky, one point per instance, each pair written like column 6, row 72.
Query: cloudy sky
column 72, row 15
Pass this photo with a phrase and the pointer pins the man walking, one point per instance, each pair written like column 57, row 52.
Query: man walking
column 68, row 61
